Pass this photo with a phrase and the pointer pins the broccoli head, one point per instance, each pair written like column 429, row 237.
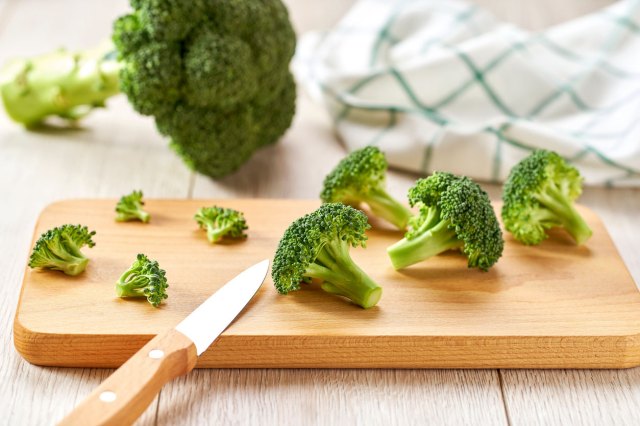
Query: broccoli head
column 143, row 279
column 455, row 214
column 221, row 222
column 130, row 208
column 360, row 179
column 539, row 194
column 316, row 247
column 59, row 249
column 214, row 75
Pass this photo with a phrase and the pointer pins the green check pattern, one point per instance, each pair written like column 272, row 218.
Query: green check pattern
column 446, row 86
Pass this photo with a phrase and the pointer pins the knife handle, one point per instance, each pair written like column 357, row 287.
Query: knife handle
column 124, row 396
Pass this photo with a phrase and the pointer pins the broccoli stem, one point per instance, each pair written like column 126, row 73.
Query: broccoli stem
column 132, row 287
column 143, row 216
column 343, row 277
column 70, row 265
column 434, row 241
column 68, row 258
column 215, row 232
column 567, row 215
column 385, row 206
column 140, row 214
column 62, row 83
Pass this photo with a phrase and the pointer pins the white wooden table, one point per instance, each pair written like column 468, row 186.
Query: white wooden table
column 116, row 150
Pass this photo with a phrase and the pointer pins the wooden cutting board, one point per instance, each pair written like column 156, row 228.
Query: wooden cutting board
column 551, row 306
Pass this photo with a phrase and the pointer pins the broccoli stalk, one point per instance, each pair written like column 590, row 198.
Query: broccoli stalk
column 360, row 178
column 221, row 222
column 130, row 208
column 143, row 279
column 385, row 206
column 560, row 211
column 61, row 83
column 455, row 214
column 59, row 249
column 430, row 240
column 208, row 72
column 317, row 246
column 341, row 276
column 539, row 194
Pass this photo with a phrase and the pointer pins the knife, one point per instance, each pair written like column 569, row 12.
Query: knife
column 124, row 396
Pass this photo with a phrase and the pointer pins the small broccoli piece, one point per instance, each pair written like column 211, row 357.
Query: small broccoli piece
column 316, row 246
column 360, row 178
column 539, row 194
column 455, row 214
column 59, row 249
column 130, row 208
column 143, row 279
column 221, row 222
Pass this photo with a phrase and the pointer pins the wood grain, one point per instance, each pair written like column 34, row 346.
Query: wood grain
column 127, row 393
column 333, row 397
column 107, row 162
column 555, row 305
column 36, row 168
column 572, row 397
column 585, row 397
column 33, row 395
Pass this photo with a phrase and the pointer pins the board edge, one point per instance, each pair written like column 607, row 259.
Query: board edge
column 430, row 352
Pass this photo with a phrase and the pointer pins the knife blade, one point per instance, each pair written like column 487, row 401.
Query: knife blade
column 124, row 395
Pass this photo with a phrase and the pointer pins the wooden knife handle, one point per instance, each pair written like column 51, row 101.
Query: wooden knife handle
column 124, row 396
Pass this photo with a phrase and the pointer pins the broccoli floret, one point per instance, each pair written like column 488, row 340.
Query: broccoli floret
column 213, row 74
column 221, row 222
column 455, row 214
column 360, row 178
column 143, row 279
column 59, row 249
column 316, row 246
column 130, row 208
column 539, row 194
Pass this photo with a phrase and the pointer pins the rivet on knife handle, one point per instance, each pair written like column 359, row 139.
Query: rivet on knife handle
column 124, row 396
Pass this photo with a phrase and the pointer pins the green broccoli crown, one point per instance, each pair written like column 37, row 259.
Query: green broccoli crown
column 59, row 249
column 355, row 175
column 539, row 194
column 426, row 194
column 215, row 75
column 303, row 240
column 130, row 208
column 360, row 178
column 143, row 279
column 317, row 246
column 221, row 222
column 455, row 213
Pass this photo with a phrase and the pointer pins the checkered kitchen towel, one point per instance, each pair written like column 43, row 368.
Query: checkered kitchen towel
column 443, row 85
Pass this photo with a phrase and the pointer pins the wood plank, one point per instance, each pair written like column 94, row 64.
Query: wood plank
column 585, row 397
column 594, row 397
column 40, row 167
column 294, row 168
column 14, row 390
column 569, row 397
column 554, row 305
column 134, row 386
column 333, row 397
column 50, row 397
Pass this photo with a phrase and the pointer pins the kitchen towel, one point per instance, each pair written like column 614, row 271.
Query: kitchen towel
column 444, row 85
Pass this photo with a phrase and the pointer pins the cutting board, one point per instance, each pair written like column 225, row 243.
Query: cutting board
column 551, row 306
